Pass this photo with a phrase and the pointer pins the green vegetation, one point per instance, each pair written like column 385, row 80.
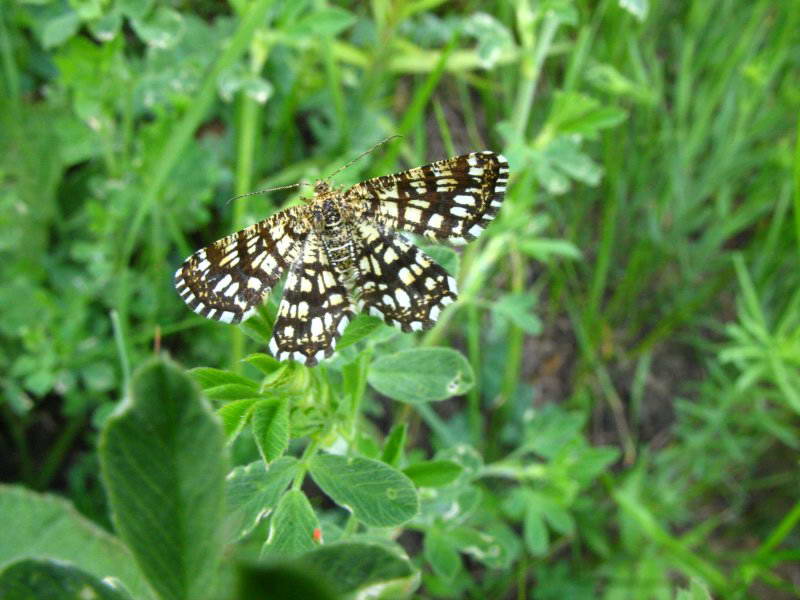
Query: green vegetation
column 610, row 410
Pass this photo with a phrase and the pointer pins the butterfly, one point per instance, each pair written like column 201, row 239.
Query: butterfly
column 344, row 252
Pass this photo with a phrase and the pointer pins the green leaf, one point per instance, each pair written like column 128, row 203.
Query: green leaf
column 357, row 568
column 252, row 491
column 284, row 582
column 231, row 391
column 163, row 463
column 135, row 9
column 535, row 532
column 259, row 326
column 488, row 548
column 558, row 517
column 56, row 23
column 324, row 22
column 421, row 375
column 543, row 249
column 270, row 420
column 106, row 27
column 374, row 492
column 264, row 362
column 444, row 256
column 433, row 473
column 575, row 113
column 358, row 329
column 441, row 554
column 394, row 445
column 516, row 308
column 235, row 415
column 161, row 29
column 291, row 530
column 31, row 579
column 44, row 525
column 697, row 591
column 210, row 378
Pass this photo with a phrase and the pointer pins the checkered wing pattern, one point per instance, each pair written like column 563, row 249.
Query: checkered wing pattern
column 399, row 282
column 450, row 200
column 229, row 279
column 314, row 310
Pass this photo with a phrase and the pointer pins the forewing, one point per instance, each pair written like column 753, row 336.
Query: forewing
column 229, row 279
column 450, row 200
column 314, row 310
column 399, row 282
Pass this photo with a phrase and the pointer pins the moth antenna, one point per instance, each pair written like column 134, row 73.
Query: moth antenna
column 363, row 154
column 272, row 189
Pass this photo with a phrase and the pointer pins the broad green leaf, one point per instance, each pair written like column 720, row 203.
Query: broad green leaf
column 31, row 579
column 577, row 113
column 371, row 570
column 291, row 529
column 444, row 256
column 421, row 375
column 394, row 444
column 135, row 9
column 284, row 581
column 163, row 463
column 210, row 378
column 106, row 27
column 264, row 362
column 252, row 491
column 535, row 532
column 559, row 519
column 259, row 326
column 55, row 24
column 441, row 554
column 44, row 525
column 434, row 473
column 358, row 329
column 517, row 309
column 481, row 546
column 161, row 29
column 374, row 492
column 235, row 414
column 270, row 419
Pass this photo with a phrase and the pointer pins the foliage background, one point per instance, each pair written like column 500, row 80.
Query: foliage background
column 638, row 292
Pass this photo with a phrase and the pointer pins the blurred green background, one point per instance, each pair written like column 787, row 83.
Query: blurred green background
column 638, row 291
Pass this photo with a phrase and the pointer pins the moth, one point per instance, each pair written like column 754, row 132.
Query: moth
column 344, row 252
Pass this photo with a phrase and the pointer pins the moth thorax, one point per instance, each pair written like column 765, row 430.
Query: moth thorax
column 331, row 217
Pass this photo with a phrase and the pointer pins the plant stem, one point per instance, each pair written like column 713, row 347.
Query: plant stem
column 526, row 92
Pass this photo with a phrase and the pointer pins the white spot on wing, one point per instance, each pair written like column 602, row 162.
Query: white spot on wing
column 222, row 284
column 403, row 300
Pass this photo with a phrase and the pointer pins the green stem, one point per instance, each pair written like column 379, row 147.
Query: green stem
column 302, row 467
column 16, row 428
column 531, row 71
column 436, row 424
column 58, row 451
column 360, row 387
column 516, row 339
column 249, row 111
column 122, row 350
column 797, row 186
column 474, row 419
